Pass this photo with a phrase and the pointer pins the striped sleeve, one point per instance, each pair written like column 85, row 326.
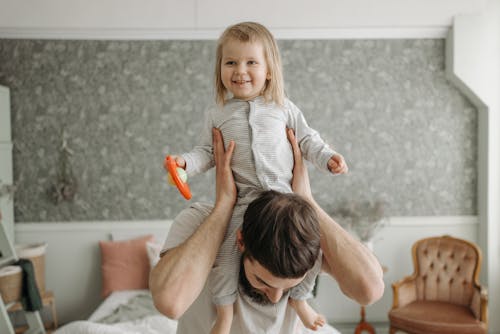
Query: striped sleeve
column 312, row 146
column 200, row 158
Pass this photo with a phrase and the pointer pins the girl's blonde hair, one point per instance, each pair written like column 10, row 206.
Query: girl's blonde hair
column 253, row 32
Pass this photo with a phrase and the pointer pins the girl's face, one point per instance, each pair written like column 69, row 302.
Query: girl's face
column 244, row 69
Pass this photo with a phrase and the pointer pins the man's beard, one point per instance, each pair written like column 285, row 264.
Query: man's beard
column 257, row 296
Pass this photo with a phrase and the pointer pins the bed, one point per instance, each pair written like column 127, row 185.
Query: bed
column 127, row 306
column 132, row 312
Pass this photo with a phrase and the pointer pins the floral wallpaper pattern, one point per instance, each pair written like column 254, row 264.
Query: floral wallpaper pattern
column 409, row 137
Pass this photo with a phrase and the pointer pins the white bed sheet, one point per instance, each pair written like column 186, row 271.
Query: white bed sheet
column 114, row 300
column 152, row 324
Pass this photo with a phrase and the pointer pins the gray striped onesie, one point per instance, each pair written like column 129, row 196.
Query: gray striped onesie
column 262, row 160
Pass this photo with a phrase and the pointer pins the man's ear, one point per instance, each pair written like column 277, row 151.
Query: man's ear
column 239, row 241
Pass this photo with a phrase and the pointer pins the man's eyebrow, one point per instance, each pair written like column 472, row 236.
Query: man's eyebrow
column 263, row 282
column 269, row 285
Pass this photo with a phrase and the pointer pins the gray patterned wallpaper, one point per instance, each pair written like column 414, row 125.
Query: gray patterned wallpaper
column 409, row 137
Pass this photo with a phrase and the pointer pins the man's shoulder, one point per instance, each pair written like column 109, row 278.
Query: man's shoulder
column 195, row 214
column 186, row 222
column 203, row 208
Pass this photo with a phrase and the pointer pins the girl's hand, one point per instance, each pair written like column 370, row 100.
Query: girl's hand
column 337, row 164
column 179, row 161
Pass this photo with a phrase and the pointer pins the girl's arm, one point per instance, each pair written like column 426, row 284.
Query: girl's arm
column 201, row 157
column 312, row 146
column 180, row 275
column 350, row 263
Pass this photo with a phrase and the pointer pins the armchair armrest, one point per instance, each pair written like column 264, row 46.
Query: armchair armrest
column 404, row 291
column 479, row 303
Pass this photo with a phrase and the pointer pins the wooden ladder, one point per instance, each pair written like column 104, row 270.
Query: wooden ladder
column 8, row 256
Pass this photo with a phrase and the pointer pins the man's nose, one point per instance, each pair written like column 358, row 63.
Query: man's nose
column 274, row 295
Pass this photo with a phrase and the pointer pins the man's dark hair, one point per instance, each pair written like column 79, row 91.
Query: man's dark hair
column 281, row 232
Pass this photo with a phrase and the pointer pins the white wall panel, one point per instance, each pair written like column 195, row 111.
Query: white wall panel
column 393, row 249
column 473, row 65
column 5, row 133
column 73, row 260
column 6, row 176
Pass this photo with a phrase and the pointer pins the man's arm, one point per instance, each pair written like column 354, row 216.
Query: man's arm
column 180, row 275
column 349, row 262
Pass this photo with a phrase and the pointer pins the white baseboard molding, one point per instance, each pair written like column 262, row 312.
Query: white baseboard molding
column 398, row 221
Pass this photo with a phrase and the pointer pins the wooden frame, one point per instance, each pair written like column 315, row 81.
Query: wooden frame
column 9, row 256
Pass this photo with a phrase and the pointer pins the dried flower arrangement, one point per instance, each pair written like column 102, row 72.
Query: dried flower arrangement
column 65, row 186
column 364, row 218
column 7, row 190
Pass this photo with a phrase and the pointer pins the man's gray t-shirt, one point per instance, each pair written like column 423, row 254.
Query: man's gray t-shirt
column 249, row 317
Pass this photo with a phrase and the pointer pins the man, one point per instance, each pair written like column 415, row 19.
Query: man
column 178, row 281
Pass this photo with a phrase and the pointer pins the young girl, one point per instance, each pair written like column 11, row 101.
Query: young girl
column 253, row 112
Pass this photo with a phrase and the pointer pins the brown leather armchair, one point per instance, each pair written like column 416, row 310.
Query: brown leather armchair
column 443, row 295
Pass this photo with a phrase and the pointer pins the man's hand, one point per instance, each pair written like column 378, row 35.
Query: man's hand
column 225, row 188
column 355, row 268
column 300, row 181
column 180, row 275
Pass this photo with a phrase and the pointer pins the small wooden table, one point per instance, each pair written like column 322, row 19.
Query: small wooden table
column 363, row 325
column 48, row 299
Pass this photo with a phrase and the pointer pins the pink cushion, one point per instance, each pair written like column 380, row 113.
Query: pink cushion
column 124, row 265
column 433, row 317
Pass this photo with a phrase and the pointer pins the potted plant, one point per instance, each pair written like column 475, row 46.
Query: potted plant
column 6, row 190
column 363, row 218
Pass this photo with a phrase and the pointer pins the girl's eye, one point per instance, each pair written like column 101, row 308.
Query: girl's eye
column 230, row 62
column 252, row 62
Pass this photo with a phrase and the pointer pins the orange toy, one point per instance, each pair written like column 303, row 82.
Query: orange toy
column 173, row 170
